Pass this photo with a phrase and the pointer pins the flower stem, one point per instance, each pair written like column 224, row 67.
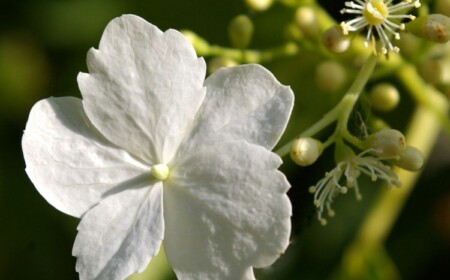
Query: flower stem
column 341, row 112
column 420, row 91
column 348, row 102
column 326, row 120
column 422, row 134
column 363, row 76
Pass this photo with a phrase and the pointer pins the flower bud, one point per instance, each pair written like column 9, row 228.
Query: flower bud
column 330, row 76
column 305, row 150
column 240, row 31
column 410, row 159
column 201, row 46
column 409, row 44
column 334, row 40
column 292, row 32
column 218, row 62
column 384, row 97
column 386, row 143
column 259, row 5
column 435, row 70
column 377, row 124
column 306, row 20
column 434, row 27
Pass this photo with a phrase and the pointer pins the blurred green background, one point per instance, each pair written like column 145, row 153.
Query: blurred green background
column 43, row 46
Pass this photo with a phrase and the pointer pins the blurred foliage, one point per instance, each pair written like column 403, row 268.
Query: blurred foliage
column 42, row 48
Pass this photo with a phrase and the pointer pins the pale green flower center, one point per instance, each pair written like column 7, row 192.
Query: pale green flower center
column 375, row 12
column 160, row 171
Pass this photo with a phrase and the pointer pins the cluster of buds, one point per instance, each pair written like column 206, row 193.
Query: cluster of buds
column 383, row 148
column 390, row 144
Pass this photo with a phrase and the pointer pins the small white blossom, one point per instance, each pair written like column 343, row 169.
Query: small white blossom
column 155, row 152
column 377, row 15
column 345, row 176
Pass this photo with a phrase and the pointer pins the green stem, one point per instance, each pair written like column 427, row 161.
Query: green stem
column 363, row 76
column 326, row 120
column 419, row 90
column 342, row 124
column 329, row 141
column 341, row 111
column 252, row 56
column 422, row 133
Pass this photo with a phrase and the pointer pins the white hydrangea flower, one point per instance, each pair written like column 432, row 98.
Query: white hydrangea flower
column 154, row 152
column 377, row 15
column 347, row 173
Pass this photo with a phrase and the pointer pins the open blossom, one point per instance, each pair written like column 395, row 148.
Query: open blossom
column 153, row 152
column 379, row 17
column 345, row 176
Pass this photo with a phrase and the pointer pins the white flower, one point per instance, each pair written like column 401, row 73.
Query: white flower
column 377, row 14
column 215, row 197
column 347, row 172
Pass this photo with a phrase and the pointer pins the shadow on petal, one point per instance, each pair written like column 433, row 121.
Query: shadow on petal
column 141, row 181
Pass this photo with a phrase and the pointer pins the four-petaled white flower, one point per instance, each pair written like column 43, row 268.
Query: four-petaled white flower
column 377, row 14
column 154, row 152
column 347, row 172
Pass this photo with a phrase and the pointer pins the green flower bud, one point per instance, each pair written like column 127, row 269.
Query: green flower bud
column 240, row 31
column 386, row 143
column 201, row 46
column 377, row 124
column 410, row 159
column 218, row 62
column 305, row 150
column 259, row 5
column 435, row 70
column 434, row 27
column 384, row 97
column 334, row 40
column 306, row 20
column 409, row 44
column 330, row 76
column 292, row 32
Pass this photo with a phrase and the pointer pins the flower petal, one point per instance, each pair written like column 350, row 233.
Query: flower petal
column 143, row 88
column 242, row 103
column 226, row 210
column 120, row 235
column 70, row 163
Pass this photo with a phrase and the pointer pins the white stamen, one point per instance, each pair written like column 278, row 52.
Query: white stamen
column 377, row 14
column 331, row 185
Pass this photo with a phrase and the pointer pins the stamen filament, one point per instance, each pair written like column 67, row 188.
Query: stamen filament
column 378, row 14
